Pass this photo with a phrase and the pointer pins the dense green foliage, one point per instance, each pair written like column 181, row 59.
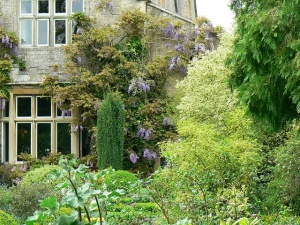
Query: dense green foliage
column 265, row 58
column 25, row 198
column 6, row 219
column 120, row 58
column 39, row 175
column 120, row 179
column 110, row 132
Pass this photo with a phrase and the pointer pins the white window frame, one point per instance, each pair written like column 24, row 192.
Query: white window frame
column 38, row 32
column 16, row 138
column 25, row 117
column 26, row 14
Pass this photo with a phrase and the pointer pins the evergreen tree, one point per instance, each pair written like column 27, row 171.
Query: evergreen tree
column 110, row 132
column 265, row 59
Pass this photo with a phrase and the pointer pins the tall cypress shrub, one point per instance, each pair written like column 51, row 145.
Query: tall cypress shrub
column 110, row 132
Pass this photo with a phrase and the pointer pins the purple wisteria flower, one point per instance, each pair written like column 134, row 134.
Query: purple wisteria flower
column 15, row 49
column 133, row 158
column 170, row 30
column 104, row 12
column 83, row 118
column 75, row 128
column 79, row 60
column 65, row 113
column 79, row 30
column 148, row 134
column 167, row 121
column 2, row 103
column 147, row 154
column 139, row 85
column 179, row 48
column 172, row 63
column 141, row 132
column 197, row 31
column 110, row 6
column 168, row 45
column 5, row 55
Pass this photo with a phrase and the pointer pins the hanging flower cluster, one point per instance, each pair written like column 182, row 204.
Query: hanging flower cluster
column 138, row 84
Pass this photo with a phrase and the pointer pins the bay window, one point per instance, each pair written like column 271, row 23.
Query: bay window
column 36, row 126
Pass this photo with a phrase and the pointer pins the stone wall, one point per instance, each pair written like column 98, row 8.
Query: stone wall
column 40, row 60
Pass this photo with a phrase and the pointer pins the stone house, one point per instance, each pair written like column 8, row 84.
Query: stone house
column 31, row 122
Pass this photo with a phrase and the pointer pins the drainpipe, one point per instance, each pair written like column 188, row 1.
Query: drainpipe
column 196, row 12
column 176, row 6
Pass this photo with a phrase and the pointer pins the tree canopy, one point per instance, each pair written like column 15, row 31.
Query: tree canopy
column 265, row 58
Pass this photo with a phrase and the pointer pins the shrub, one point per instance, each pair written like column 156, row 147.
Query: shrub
column 121, row 179
column 110, row 132
column 6, row 219
column 40, row 175
column 25, row 198
column 5, row 198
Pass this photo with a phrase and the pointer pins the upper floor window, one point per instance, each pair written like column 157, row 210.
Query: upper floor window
column 45, row 22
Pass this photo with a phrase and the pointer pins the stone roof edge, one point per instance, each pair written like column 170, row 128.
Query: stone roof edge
column 170, row 12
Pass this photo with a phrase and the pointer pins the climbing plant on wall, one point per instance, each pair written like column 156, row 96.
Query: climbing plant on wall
column 120, row 58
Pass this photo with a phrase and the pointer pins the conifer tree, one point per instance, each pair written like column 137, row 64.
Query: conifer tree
column 110, row 132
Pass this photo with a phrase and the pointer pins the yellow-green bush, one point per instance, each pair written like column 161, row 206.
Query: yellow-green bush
column 40, row 175
column 6, row 219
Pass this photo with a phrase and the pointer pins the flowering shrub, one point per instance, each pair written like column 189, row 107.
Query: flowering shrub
column 119, row 59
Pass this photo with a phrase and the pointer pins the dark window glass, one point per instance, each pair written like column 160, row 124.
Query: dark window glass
column 5, row 142
column 43, row 6
column 23, row 138
column 5, row 111
column 63, row 138
column 24, row 106
column 60, row 32
column 60, row 6
column 43, row 139
column 43, row 106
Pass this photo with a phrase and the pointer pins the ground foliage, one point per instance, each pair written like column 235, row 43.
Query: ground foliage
column 119, row 58
column 265, row 58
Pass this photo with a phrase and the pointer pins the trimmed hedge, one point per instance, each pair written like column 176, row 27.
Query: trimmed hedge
column 6, row 219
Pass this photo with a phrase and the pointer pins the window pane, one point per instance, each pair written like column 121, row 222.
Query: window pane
column 77, row 6
column 43, row 139
column 5, row 142
column 60, row 32
column 43, row 32
column 5, row 111
column 63, row 138
column 60, row 6
column 26, row 32
column 23, row 106
column 26, row 6
column 43, row 106
column 23, row 138
column 43, row 6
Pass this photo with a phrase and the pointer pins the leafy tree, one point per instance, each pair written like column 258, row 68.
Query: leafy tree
column 217, row 148
column 265, row 58
column 110, row 132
